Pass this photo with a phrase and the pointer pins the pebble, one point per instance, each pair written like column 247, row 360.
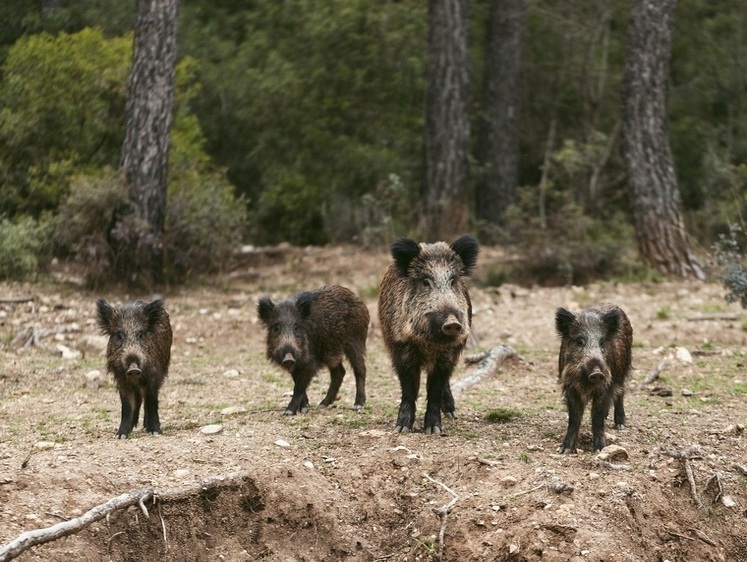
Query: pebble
column 509, row 481
column 211, row 429
column 231, row 410
column 231, row 373
column 68, row 353
column 613, row 453
column 308, row 464
column 44, row 445
column 282, row 443
column 94, row 379
column 181, row 473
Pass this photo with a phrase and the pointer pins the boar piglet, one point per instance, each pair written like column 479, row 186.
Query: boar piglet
column 426, row 316
column 138, row 355
column 593, row 366
column 313, row 329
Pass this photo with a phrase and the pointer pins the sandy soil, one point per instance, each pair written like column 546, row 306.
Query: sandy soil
column 337, row 484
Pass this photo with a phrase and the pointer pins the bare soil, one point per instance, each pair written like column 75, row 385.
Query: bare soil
column 343, row 486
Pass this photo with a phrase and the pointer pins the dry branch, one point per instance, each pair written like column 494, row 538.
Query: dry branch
column 33, row 336
column 686, row 456
column 725, row 316
column 487, row 363
column 40, row 536
column 740, row 468
column 656, row 372
column 442, row 513
column 16, row 300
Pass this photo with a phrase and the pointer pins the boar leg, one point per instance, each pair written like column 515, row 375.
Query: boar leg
column 600, row 407
column 128, row 399
column 336, row 375
column 150, row 415
column 619, row 411
column 575, row 413
column 408, row 371
column 447, row 402
column 358, row 362
column 437, row 385
column 300, row 401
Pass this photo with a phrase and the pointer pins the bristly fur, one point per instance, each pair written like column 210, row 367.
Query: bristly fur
column 593, row 365
column 426, row 316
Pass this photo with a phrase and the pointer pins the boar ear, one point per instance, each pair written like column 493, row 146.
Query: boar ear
column 563, row 320
column 404, row 251
column 265, row 308
column 611, row 321
column 467, row 248
column 303, row 303
column 154, row 311
column 104, row 315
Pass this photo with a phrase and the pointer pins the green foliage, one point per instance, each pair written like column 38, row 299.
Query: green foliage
column 23, row 244
column 62, row 100
column 502, row 415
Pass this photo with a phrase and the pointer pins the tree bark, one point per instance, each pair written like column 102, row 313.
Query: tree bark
column 447, row 127
column 148, row 116
column 498, row 148
column 660, row 229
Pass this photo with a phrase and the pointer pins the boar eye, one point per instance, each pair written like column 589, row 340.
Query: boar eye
column 296, row 329
column 140, row 335
column 580, row 340
column 118, row 337
column 427, row 282
column 454, row 280
column 275, row 329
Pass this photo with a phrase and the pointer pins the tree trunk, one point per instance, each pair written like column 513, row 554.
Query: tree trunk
column 498, row 150
column 444, row 198
column 660, row 229
column 145, row 150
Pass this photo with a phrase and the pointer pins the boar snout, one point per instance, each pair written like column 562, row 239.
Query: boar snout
column 288, row 361
column 452, row 327
column 134, row 369
column 596, row 376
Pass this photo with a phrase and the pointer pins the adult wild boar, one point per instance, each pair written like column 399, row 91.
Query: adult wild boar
column 593, row 366
column 138, row 354
column 313, row 329
column 426, row 316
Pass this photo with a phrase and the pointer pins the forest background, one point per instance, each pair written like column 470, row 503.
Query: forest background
column 303, row 122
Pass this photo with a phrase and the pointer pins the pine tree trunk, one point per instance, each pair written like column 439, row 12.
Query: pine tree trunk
column 444, row 198
column 498, row 149
column 148, row 116
column 660, row 229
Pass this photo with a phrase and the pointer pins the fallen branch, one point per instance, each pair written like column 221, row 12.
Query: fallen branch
column 442, row 513
column 16, row 300
column 740, row 468
column 32, row 336
column 715, row 316
column 487, row 363
column 686, row 456
column 40, row 536
column 653, row 375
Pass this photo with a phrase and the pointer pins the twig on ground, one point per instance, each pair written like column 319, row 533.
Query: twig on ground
column 715, row 316
column 653, row 375
column 529, row 491
column 611, row 466
column 443, row 512
column 487, row 363
column 740, row 468
column 163, row 527
column 16, row 300
column 702, row 536
column 686, row 456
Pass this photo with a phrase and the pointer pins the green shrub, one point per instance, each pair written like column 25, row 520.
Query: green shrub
column 22, row 247
column 731, row 258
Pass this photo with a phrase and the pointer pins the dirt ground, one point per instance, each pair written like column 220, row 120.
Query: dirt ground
column 337, row 484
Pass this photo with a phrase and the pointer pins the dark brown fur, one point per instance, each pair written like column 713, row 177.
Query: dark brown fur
column 593, row 366
column 313, row 329
column 138, row 355
column 426, row 316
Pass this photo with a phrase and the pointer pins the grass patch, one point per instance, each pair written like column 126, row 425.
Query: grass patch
column 502, row 415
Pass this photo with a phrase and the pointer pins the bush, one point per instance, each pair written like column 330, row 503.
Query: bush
column 22, row 248
column 731, row 258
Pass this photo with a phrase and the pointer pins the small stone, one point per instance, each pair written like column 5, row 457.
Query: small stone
column 231, row 373
column 308, row 464
column 181, row 473
column 93, row 379
column 613, row 453
column 44, row 445
column 282, row 443
column 231, row 410
column 687, row 392
column 683, row 355
column 68, row 353
column 509, row 481
column 728, row 501
column 374, row 432
column 211, row 429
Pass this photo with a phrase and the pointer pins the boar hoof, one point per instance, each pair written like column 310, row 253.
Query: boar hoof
column 357, row 407
column 401, row 429
column 619, row 426
column 121, row 436
column 566, row 451
column 435, row 430
column 289, row 413
column 322, row 405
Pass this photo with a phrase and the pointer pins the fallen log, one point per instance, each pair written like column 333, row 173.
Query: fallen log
column 487, row 362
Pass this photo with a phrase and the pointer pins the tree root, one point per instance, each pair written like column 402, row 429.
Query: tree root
column 138, row 497
column 442, row 513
